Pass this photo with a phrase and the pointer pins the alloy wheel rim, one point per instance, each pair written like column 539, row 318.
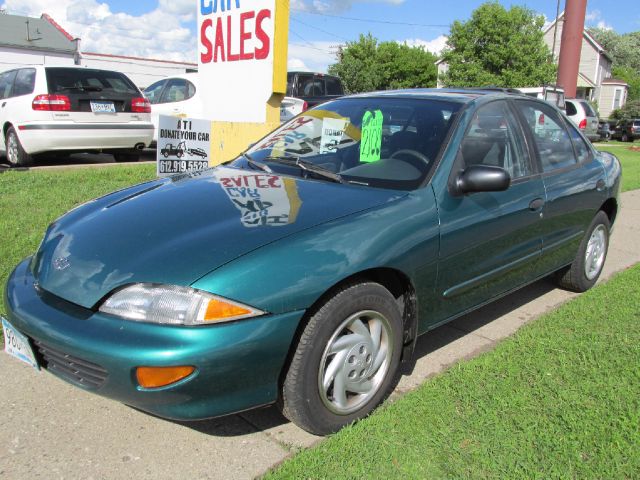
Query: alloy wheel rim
column 355, row 362
column 594, row 255
column 12, row 149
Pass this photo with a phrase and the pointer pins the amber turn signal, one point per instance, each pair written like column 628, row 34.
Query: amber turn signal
column 219, row 309
column 154, row 377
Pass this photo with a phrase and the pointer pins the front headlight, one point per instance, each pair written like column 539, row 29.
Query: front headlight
column 168, row 304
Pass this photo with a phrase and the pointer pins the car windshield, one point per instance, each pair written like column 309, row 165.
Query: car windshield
column 378, row 142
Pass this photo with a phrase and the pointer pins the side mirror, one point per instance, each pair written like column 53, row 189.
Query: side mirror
column 482, row 178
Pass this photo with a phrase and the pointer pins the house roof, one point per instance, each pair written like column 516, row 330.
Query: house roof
column 34, row 34
column 600, row 49
column 614, row 81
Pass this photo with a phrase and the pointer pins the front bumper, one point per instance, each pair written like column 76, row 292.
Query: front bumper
column 238, row 364
column 37, row 137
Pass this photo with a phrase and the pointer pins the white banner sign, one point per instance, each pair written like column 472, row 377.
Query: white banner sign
column 183, row 145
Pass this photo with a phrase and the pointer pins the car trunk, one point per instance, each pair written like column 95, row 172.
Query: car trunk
column 96, row 96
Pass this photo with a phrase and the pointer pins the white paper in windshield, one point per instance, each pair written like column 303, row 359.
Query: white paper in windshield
column 332, row 132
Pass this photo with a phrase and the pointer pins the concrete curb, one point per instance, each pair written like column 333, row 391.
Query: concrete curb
column 53, row 430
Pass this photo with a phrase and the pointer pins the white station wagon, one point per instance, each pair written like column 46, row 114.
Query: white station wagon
column 71, row 109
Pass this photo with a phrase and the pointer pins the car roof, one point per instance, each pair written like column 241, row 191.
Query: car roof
column 461, row 95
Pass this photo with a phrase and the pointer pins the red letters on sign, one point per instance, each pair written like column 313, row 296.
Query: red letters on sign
column 237, row 26
column 262, row 53
column 244, row 36
column 206, row 43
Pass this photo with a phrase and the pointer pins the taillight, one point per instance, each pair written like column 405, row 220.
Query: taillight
column 55, row 103
column 305, row 106
column 541, row 119
column 140, row 105
column 583, row 124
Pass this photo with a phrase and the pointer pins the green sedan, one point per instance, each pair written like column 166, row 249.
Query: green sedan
column 302, row 272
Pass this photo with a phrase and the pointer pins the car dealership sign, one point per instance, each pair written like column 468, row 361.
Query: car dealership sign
column 236, row 42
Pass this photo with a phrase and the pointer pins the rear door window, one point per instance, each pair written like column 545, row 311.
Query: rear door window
column 588, row 110
column 154, row 91
column 571, row 109
column 25, row 82
column 6, row 83
column 583, row 152
column 178, row 90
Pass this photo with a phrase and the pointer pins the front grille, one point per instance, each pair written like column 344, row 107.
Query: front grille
column 71, row 368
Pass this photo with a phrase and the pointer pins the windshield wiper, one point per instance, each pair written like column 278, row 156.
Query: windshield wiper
column 256, row 164
column 308, row 167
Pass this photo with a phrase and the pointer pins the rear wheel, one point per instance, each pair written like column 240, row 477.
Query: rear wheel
column 346, row 361
column 585, row 270
column 16, row 155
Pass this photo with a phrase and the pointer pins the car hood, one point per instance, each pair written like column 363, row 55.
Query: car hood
column 176, row 230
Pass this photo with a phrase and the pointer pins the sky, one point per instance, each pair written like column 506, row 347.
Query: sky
column 166, row 29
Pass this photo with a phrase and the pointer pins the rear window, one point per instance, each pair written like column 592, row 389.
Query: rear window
column 571, row 109
column 60, row 80
column 588, row 110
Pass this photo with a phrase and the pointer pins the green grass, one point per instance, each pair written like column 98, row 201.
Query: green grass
column 30, row 200
column 560, row 399
column 630, row 162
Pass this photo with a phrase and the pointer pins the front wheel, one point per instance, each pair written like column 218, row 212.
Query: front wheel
column 346, row 361
column 585, row 270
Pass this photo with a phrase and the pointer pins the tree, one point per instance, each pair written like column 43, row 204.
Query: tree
column 366, row 65
column 625, row 53
column 631, row 109
column 498, row 47
column 624, row 49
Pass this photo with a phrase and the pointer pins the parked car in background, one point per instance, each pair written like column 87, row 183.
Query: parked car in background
column 627, row 130
column 176, row 96
column 71, row 109
column 303, row 271
column 604, row 131
column 584, row 116
column 310, row 89
column 551, row 93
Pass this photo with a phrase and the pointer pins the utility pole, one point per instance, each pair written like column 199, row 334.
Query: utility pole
column 571, row 45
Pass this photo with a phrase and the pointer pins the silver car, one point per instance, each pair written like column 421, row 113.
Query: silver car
column 584, row 116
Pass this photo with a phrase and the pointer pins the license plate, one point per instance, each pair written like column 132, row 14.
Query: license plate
column 17, row 345
column 103, row 107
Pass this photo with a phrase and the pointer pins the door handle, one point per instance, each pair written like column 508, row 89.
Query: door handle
column 536, row 204
column 600, row 184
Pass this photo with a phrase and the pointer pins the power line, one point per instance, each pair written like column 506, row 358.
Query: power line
column 370, row 20
column 319, row 29
column 308, row 44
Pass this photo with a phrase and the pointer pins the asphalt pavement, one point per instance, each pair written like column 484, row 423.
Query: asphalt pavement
column 52, row 430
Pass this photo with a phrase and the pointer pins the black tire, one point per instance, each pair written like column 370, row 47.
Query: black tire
column 16, row 156
column 575, row 277
column 126, row 157
column 165, row 154
column 318, row 410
